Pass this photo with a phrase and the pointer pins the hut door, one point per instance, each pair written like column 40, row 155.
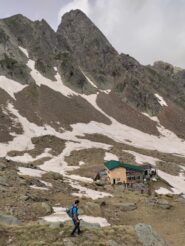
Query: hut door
column 114, row 181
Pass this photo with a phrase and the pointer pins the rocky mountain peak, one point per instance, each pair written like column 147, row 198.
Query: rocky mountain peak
column 90, row 48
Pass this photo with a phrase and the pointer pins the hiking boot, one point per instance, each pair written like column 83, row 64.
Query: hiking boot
column 80, row 232
column 73, row 235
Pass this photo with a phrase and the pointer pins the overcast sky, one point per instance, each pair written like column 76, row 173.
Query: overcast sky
column 148, row 30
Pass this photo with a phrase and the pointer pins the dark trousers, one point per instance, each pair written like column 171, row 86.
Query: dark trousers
column 76, row 227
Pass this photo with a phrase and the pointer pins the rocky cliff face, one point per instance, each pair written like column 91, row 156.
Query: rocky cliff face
column 86, row 62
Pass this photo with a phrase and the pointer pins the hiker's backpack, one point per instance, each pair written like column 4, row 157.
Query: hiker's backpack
column 69, row 211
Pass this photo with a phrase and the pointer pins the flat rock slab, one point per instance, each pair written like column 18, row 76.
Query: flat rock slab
column 164, row 204
column 126, row 206
column 149, row 237
column 9, row 220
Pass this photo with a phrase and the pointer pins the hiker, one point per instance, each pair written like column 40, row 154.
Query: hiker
column 74, row 216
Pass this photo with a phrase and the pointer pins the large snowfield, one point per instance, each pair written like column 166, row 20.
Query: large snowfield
column 167, row 142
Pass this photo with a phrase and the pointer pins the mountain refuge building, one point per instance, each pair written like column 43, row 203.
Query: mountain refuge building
column 120, row 172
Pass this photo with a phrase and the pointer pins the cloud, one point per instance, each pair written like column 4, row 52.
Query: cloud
column 149, row 30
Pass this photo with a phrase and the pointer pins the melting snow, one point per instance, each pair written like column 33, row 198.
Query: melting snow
column 58, row 164
column 10, row 86
column 23, row 142
column 86, row 192
column 30, row 172
column 81, row 163
column 24, row 51
column 49, row 185
column 177, row 182
column 109, row 156
column 161, row 100
column 28, row 158
column 57, row 85
column 80, row 178
column 60, row 215
column 141, row 159
column 89, row 80
column 38, row 188
column 163, row 191
column 46, row 183
column 116, row 131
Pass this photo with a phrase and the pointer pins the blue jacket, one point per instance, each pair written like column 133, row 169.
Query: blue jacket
column 74, row 211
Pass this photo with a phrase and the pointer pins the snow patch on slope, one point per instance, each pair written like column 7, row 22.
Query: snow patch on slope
column 30, row 172
column 60, row 215
column 57, row 85
column 141, row 159
column 24, row 51
column 161, row 100
column 28, row 158
column 89, row 80
column 177, row 182
column 38, row 188
column 163, row 191
column 30, row 130
column 109, row 156
column 10, row 86
column 58, row 164
column 120, row 133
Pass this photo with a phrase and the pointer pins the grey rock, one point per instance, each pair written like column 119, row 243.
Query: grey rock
column 57, row 176
column 24, row 198
column 180, row 199
column 48, row 208
column 100, row 183
column 148, row 236
column 126, row 206
column 162, row 203
column 2, row 166
column 3, row 181
column 9, row 220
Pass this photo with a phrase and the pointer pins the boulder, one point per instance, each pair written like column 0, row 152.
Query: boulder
column 3, row 181
column 99, row 182
column 2, row 166
column 128, row 206
column 48, row 208
column 57, row 176
column 180, row 199
column 149, row 237
column 9, row 220
column 162, row 203
column 24, row 197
